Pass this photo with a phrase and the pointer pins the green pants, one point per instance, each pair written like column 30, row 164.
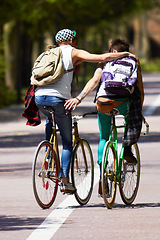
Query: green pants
column 104, row 123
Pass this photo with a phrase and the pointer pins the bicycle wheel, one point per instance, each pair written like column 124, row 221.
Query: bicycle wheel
column 45, row 174
column 82, row 171
column 109, row 185
column 130, row 177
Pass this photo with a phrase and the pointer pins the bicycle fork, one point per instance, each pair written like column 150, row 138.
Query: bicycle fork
column 77, row 138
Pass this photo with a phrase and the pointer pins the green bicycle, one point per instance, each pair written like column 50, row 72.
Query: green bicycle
column 119, row 172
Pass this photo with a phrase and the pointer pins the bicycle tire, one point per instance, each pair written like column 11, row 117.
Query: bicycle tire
column 130, row 178
column 82, row 174
column 45, row 181
column 109, row 185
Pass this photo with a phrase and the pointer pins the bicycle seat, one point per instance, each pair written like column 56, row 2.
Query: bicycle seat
column 114, row 112
column 49, row 108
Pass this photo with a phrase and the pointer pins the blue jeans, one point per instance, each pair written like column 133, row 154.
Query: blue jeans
column 64, row 123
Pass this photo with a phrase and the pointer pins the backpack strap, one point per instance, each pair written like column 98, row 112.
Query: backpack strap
column 70, row 70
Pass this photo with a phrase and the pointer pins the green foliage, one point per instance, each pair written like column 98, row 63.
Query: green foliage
column 6, row 97
column 89, row 18
column 152, row 65
column 78, row 14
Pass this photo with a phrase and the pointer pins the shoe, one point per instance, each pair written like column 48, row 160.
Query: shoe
column 68, row 188
column 128, row 156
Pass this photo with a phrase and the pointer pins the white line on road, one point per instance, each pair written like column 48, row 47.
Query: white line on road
column 58, row 216
column 152, row 107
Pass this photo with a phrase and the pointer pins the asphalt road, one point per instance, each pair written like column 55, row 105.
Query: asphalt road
column 20, row 216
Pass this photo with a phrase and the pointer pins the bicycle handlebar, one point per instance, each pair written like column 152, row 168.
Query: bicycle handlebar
column 89, row 113
column 78, row 117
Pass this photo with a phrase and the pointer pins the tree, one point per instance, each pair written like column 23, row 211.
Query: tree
column 33, row 17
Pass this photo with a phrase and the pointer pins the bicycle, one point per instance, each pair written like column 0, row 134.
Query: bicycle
column 46, row 167
column 119, row 172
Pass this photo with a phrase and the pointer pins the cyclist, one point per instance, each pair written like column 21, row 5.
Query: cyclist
column 55, row 95
column 134, row 104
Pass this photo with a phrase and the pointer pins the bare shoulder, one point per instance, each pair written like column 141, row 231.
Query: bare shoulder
column 78, row 56
column 78, row 52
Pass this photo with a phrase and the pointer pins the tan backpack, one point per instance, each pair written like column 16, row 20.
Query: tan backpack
column 48, row 67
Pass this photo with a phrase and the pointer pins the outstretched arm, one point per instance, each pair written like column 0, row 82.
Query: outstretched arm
column 79, row 56
column 91, row 84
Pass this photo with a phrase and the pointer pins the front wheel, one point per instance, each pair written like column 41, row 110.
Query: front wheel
column 45, row 174
column 130, row 177
column 82, row 171
column 108, row 175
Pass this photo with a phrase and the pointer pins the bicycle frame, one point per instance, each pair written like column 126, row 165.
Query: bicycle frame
column 113, row 133
column 117, row 171
column 54, row 141
column 77, row 138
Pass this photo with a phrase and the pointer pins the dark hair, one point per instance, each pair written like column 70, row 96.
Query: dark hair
column 120, row 45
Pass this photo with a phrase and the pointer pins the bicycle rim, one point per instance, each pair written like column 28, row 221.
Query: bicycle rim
column 44, row 176
column 82, row 173
column 108, row 171
column 130, row 178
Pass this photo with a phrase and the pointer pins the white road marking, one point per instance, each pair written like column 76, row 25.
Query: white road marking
column 58, row 216
column 153, row 107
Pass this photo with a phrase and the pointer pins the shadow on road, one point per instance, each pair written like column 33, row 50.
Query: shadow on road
column 32, row 140
column 11, row 223
column 137, row 205
column 120, row 206
column 16, row 169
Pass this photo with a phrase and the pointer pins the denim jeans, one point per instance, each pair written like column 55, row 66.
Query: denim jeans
column 64, row 123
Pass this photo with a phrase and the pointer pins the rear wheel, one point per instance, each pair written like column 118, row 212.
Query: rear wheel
column 108, row 175
column 130, row 177
column 45, row 175
column 82, row 171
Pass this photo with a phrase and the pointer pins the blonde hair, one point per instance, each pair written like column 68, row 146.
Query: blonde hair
column 50, row 47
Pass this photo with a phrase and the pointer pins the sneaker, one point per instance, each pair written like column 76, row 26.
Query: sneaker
column 67, row 188
column 128, row 156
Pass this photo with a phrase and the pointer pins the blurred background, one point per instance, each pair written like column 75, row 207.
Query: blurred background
column 27, row 27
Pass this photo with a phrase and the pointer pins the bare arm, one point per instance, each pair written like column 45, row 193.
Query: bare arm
column 140, row 82
column 91, row 84
column 79, row 56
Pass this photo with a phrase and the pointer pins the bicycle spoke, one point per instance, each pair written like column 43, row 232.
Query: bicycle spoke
column 45, row 175
column 108, row 170
column 130, row 180
column 82, row 172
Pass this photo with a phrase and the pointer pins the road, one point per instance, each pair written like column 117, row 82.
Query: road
column 20, row 216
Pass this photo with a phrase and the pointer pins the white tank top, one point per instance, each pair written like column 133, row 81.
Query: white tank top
column 62, row 88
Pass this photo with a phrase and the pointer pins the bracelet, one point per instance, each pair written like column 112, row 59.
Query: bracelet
column 78, row 99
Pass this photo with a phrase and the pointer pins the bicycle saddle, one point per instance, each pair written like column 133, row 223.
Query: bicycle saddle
column 49, row 108
column 114, row 112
